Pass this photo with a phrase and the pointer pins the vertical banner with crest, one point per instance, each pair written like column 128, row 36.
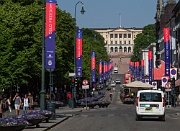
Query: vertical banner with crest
column 167, row 51
column 142, row 70
column 93, row 66
column 79, row 53
column 50, row 34
column 150, row 65
column 100, row 71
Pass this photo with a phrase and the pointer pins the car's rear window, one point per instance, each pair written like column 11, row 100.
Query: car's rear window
column 150, row 96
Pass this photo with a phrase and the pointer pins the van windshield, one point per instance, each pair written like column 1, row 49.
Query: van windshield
column 150, row 96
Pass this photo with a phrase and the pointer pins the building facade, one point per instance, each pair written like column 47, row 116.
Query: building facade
column 119, row 39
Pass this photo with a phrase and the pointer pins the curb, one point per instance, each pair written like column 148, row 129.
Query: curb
column 56, row 124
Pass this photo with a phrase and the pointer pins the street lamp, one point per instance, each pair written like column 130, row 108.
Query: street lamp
column 82, row 12
column 42, row 92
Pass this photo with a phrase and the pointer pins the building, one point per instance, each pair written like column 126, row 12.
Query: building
column 119, row 39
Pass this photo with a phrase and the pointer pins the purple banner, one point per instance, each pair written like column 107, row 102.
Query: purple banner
column 50, row 34
column 150, row 65
column 93, row 66
column 79, row 53
column 100, row 71
column 167, row 51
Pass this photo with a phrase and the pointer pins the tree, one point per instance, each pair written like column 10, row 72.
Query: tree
column 143, row 40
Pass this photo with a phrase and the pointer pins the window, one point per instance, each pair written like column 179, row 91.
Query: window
column 115, row 42
column 129, row 35
column 124, row 42
column 111, row 35
column 120, row 35
column 116, row 36
column 106, row 42
column 120, row 42
column 125, row 35
column 129, row 49
column 148, row 96
column 116, row 49
column 129, row 42
column 111, row 49
column 125, row 49
column 111, row 42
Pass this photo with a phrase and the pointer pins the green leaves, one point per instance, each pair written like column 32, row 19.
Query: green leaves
column 143, row 40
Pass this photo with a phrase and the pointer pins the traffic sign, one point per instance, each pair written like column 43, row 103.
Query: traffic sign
column 164, row 81
column 85, row 82
column 168, row 85
column 154, row 83
column 173, row 73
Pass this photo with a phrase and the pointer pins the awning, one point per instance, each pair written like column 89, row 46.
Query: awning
column 177, row 82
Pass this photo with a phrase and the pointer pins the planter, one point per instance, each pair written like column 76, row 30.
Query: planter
column 34, row 122
column 12, row 128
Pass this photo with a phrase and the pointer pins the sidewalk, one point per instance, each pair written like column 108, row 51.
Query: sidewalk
column 62, row 114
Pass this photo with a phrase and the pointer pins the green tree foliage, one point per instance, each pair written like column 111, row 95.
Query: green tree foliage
column 19, row 43
column 143, row 40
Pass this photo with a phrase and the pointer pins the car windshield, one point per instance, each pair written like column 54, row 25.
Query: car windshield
column 150, row 96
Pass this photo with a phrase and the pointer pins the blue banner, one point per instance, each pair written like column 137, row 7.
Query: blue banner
column 150, row 65
column 167, row 51
column 79, row 53
column 93, row 66
column 100, row 71
column 50, row 34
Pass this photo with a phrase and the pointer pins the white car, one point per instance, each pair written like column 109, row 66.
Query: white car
column 150, row 103
column 118, row 81
column 113, row 84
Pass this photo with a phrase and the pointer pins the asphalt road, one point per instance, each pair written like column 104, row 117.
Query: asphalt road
column 118, row 117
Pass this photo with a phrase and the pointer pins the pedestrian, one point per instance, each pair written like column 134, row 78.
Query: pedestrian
column 69, row 98
column 17, row 103
column 5, row 103
column 111, row 95
column 26, row 103
column 31, row 102
column 0, row 106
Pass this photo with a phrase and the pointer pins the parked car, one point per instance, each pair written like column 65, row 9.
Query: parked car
column 118, row 81
column 150, row 103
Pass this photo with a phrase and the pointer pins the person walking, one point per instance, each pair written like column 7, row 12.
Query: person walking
column 26, row 103
column 111, row 95
column 5, row 103
column 31, row 103
column 17, row 103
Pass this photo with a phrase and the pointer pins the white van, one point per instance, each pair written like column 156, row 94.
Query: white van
column 150, row 103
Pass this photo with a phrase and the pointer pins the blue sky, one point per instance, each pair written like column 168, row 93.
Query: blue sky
column 105, row 13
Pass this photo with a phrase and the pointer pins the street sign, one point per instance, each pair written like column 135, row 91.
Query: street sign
column 154, row 83
column 168, row 85
column 85, row 87
column 164, row 81
column 173, row 73
column 85, row 82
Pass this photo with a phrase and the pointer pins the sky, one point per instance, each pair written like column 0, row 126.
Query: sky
column 111, row 13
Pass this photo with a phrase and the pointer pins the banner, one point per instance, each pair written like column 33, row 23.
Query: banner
column 93, row 66
column 79, row 53
column 142, row 70
column 137, row 70
column 104, row 74
column 50, row 34
column 167, row 51
column 150, row 65
column 100, row 71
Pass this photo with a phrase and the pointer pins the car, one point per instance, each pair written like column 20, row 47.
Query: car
column 150, row 103
column 118, row 81
column 113, row 84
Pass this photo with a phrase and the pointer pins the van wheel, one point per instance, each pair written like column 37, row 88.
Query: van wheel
column 138, row 118
column 162, row 118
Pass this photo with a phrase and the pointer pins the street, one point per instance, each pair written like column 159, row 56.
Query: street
column 118, row 117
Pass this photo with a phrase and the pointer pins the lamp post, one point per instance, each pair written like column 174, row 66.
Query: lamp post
column 42, row 92
column 82, row 12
